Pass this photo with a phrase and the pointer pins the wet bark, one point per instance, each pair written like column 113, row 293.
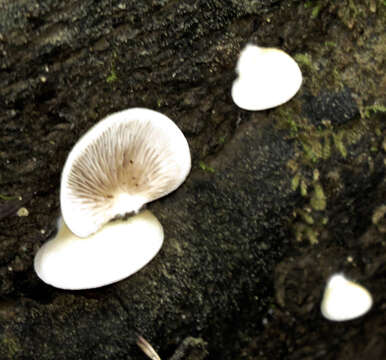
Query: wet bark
column 276, row 201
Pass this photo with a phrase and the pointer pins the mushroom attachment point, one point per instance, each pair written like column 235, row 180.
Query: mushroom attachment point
column 267, row 78
column 118, row 250
column 344, row 299
column 126, row 160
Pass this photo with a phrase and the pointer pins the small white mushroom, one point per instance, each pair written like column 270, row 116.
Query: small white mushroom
column 267, row 78
column 126, row 160
column 116, row 251
column 344, row 299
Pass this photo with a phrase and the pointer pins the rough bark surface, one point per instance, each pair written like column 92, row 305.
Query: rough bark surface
column 276, row 202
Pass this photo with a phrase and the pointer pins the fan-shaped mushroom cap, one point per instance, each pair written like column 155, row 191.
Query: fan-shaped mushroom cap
column 115, row 252
column 267, row 77
column 124, row 161
column 344, row 299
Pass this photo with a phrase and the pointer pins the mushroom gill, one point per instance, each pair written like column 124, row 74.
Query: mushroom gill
column 126, row 160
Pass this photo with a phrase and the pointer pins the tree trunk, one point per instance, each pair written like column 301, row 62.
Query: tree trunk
column 277, row 201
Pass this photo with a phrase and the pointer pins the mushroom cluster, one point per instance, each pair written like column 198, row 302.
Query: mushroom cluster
column 125, row 161
column 131, row 158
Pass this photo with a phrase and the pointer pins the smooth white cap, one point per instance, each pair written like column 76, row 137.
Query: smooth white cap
column 344, row 299
column 267, row 78
column 126, row 160
column 116, row 251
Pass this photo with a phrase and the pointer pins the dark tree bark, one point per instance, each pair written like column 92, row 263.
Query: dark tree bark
column 276, row 202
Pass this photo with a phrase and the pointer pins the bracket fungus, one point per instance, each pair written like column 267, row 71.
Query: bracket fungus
column 116, row 251
column 344, row 299
column 267, row 77
column 125, row 161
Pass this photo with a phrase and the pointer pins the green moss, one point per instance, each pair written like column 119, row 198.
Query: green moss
column 299, row 231
column 304, row 59
column 326, row 151
column 304, row 231
column 205, row 167
column 112, row 77
column 338, row 141
column 312, row 150
column 315, row 6
column 113, row 74
column 293, row 127
column 330, row 44
column 303, row 188
column 315, row 11
column 315, row 175
column 318, row 200
column 376, row 108
column 312, row 235
column 314, row 144
column 306, row 217
column 295, row 182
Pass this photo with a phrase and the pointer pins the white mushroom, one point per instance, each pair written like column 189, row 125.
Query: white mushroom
column 118, row 250
column 344, row 299
column 124, row 161
column 267, row 78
